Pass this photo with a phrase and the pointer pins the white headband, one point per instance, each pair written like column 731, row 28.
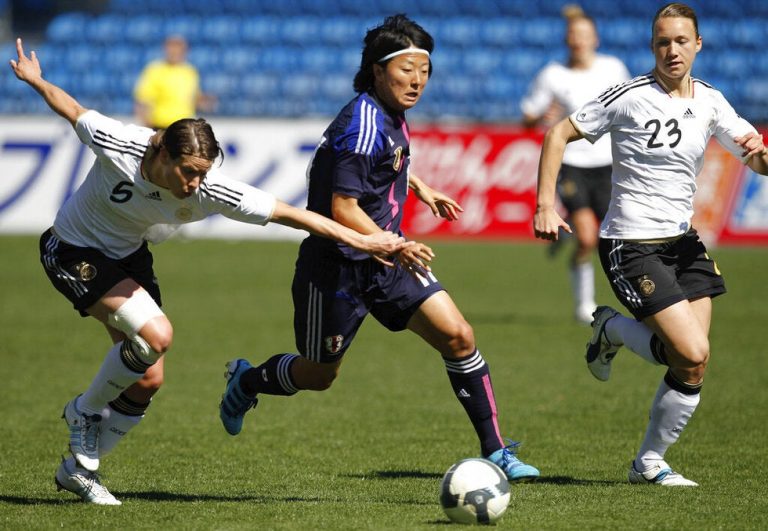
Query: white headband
column 403, row 51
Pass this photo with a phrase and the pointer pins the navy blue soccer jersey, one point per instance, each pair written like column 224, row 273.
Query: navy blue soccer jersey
column 364, row 153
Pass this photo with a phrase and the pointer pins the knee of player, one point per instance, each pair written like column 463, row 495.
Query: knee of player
column 462, row 337
column 158, row 333
column 695, row 354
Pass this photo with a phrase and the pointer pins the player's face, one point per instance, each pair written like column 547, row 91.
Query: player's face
column 675, row 45
column 185, row 174
column 581, row 38
column 400, row 83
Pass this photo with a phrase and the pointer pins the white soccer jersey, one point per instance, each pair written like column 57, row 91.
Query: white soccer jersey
column 571, row 89
column 115, row 209
column 658, row 145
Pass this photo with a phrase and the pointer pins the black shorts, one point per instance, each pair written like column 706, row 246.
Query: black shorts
column 332, row 296
column 647, row 278
column 585, row 188
column 84, row 275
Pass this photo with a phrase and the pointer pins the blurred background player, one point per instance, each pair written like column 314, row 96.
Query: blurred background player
column 168, row 89
column 584, row 183
column 142, row 184
column 660, row 125
column 359, row 176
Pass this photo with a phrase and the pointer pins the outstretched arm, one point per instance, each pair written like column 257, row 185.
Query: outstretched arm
column 379, row 244
column 546, row 221
column 28, row 70
column 440, row 204
column 412, row 255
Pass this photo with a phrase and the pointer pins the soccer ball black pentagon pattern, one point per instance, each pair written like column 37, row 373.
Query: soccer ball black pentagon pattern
column 474, row 491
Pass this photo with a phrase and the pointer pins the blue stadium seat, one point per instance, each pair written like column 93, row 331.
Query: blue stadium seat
column 67, row 27
column 145, row 29
column 627, row 33
column 260, row 30
column 501, row 32
column 220, row 30
column 300, row 31
column 480, row 61
column 221, row 84
column 122, row 57
column 527, row 62
column 542, row 32
column 460, row 31
column 749, row 34
column 107, row 28
column 259, row 85
column 185, row 25
column 341, row 31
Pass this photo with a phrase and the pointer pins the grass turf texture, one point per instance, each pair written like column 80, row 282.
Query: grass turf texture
column 370, row 452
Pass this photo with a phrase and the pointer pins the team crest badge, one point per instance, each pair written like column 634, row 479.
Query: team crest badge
column 86, row 271
column 646, row 286
column 184, row 214
column 333, row 344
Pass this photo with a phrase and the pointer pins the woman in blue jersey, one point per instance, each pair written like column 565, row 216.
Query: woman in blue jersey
column 660, row 124
column 359, row 177
column 142, row 184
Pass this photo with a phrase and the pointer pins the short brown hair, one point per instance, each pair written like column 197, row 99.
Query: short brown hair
column 191, row 136
column 676, row 10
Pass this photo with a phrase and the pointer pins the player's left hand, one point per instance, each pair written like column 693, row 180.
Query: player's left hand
column 415, row 257
column 440, row 204
column 381, row 245
column 752, row 144
column 547, row 224
column 25, row 68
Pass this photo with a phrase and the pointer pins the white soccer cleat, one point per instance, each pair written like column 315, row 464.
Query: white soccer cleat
column 659, row 474
column 600, row 351
column 83, row 436
column 83, row 483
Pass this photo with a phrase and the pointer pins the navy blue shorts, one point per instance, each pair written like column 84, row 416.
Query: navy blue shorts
column 648, row 277
column 84, row 275
column 332, row 296
column 585, row 188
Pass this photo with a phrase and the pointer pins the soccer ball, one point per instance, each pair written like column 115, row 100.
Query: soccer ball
column 474, row 491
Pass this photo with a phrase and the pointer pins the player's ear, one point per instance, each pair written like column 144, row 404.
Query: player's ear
column 378, row 71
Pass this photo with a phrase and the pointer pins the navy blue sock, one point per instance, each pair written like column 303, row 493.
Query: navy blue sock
column 471, row 381
column 273, row 377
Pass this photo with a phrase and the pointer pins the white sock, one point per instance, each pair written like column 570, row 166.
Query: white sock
column 114, row 426
column 111, row 380
column 670, row 412
column 633, row 334
column 583, row 284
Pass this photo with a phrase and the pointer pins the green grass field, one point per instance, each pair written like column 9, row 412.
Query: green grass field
column 370, row 452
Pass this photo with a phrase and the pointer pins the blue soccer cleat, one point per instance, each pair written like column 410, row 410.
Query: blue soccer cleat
column 506, row 459
column 234, row 403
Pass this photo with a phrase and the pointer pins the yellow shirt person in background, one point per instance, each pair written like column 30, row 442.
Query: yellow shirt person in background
column 169, row 89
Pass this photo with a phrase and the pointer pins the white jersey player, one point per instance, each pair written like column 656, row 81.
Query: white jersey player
column 584, row 182
column 660, row 126
column 142, row 183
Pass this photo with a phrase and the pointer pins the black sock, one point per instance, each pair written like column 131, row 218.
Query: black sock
column 126, row 406
column 471, row 381
column 273, row 377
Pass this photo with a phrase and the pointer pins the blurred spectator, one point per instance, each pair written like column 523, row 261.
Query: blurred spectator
column 169, row 89
column 584, row 184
